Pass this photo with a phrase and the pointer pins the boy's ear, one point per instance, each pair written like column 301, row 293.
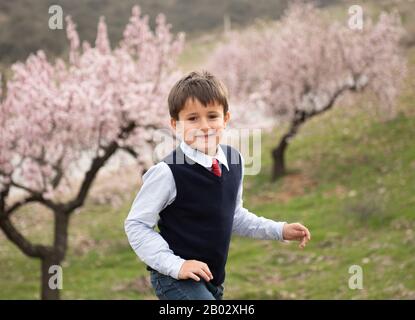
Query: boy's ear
column 227, row 117
column 173, row 123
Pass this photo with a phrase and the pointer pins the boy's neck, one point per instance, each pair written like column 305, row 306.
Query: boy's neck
column 210, row 154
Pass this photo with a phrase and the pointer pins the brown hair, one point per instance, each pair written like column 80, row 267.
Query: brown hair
column 203, row 86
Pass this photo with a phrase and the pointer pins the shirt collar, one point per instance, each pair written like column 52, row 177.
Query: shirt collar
column 202, row 158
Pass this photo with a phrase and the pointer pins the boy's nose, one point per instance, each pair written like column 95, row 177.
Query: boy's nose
column 204, row 125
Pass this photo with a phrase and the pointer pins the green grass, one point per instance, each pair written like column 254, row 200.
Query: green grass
column 351, row 181
column 369, row 221
column 354, row 189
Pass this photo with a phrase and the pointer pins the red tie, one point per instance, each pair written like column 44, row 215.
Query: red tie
column 215, row 167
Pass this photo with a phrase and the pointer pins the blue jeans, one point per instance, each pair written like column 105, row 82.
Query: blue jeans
column 168, row 288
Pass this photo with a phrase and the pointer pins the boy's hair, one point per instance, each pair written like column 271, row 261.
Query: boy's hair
column 203, row 86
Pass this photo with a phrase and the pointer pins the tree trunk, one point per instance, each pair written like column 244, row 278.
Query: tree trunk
column 278, row 153
column 49, row 288
column 52, row 277
column 278, row 157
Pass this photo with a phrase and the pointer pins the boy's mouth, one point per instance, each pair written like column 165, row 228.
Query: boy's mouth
column 206, row 135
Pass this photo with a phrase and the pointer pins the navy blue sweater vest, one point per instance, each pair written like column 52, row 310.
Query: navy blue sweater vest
column 198, row 223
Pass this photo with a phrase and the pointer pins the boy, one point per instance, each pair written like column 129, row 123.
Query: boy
column 195, row 196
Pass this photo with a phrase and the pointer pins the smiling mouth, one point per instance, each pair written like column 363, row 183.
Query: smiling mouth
column 206, row 136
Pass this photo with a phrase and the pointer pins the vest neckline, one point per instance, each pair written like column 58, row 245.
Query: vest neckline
column 205, row 170
column 200, row 167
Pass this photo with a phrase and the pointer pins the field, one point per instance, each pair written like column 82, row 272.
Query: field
column 351, row 181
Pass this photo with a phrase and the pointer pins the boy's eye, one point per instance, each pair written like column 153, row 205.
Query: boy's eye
column 214, row 116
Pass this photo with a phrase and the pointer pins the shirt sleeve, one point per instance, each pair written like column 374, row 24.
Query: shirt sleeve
column 157, row 192
column 247, row 224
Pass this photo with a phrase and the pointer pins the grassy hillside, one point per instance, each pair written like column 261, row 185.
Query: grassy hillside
column 351, row 181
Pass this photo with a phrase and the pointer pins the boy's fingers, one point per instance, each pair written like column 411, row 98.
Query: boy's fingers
column 203, row 274
column 305, row 231
column 304, row 242
column 298, row 233
column 308, row 233
column 191, row 275
column 298, row 226
column 206, row 269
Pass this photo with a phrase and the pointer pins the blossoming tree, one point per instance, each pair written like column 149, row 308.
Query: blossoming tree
column 55, row 114
column 299, row 68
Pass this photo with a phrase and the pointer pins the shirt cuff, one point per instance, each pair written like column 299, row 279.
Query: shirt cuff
column 279, row 231
column 174, row 271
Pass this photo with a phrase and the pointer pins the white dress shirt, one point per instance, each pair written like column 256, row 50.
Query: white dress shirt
column 158, row 191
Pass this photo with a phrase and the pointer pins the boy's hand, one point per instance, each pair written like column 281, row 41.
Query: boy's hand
column 191, row 269
column 296, row 231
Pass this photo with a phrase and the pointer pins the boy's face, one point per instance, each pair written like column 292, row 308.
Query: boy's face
column 201, row 126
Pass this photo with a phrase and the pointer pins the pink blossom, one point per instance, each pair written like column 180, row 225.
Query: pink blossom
column 303, row 62
column 55, row 113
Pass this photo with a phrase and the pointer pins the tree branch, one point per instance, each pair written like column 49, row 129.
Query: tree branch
column 32, row 250
column 97, row 164
column 130, row 150
column 34, row 196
